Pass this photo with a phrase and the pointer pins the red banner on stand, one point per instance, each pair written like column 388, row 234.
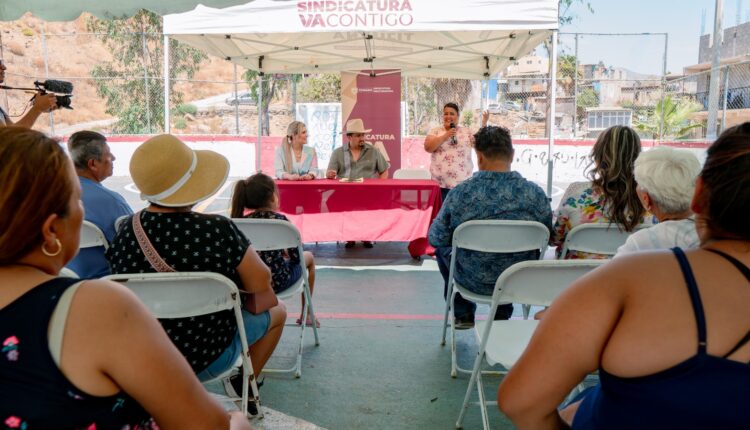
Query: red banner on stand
column 375, row 97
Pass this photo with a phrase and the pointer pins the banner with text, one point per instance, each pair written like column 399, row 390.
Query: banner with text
column 375, row 97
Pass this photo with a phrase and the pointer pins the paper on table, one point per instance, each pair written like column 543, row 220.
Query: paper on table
column 358, row 180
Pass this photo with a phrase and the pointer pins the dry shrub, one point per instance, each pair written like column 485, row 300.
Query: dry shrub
column 16, row 48
column 215, row 125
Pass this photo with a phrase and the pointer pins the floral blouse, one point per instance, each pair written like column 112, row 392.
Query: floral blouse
column 580, row 205
column 451, row 164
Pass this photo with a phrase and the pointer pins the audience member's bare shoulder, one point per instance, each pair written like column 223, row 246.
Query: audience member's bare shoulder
column 105, row 295
column 641, row 268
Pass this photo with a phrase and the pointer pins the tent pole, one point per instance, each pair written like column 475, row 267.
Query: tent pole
column 260, row 124
column 713, row 84
column 551, row 100
column 165, row 74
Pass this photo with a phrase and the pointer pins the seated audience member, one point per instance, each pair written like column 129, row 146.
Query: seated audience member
column 173, row 178
column 77, row 355
column 94, row 162
column 258, row 195
column 666, row 181
column 357, row 159
column 41, row 103
column 294, row 160
column 494, row 192
column 667, row 330
column 610, row 197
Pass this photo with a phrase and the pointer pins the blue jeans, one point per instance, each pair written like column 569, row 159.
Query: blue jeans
column 463, row 308
column 256, row 326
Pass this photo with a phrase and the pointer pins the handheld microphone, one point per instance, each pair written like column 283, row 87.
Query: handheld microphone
column 55, row 86
column 454, row 141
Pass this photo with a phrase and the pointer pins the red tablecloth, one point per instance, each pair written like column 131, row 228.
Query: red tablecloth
column 377, row 210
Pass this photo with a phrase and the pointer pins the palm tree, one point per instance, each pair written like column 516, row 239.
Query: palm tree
column 567, row 73
column 676, row 124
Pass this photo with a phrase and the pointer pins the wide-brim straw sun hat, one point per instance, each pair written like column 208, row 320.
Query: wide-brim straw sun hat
column 356, row 126
column 167, row 172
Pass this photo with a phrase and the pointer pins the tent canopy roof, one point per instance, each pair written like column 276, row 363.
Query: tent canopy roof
column 420, row 37
column 68, row 10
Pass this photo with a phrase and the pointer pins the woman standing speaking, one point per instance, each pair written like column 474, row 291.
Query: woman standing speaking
column 450, row 148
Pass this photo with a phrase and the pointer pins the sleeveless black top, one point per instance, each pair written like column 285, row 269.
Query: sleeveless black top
column 34, row 393
column 702, row 392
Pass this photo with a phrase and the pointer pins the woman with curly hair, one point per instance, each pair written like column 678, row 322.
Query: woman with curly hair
column 610, row 196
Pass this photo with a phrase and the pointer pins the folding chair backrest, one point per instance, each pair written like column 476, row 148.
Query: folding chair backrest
column 181, row 294
column 68, row 273
column 501, row 236
column 120, row 220
column 269, row 234
column 596, row 238
column 92, row 236
column 537, row 283
column 411, row 174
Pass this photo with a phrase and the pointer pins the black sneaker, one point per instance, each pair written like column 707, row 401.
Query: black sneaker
column 233, row 387
column 367, row 244
column 504, row 312
column 464, row 322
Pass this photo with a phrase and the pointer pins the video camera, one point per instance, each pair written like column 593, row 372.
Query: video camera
column 50, row 85
column 53, row 86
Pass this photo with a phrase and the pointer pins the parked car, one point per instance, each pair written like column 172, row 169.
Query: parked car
column 493, row 108
column 240, row 99
column 509, row 105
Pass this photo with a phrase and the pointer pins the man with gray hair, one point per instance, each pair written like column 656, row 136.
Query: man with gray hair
column 666, row 182
column 93, row 161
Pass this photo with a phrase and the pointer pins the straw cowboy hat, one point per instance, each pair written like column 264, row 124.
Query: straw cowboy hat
column 356, row 126
column 167, row 172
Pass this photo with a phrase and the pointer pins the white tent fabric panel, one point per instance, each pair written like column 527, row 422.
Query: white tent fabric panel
column 68, row 10
column 472, row 39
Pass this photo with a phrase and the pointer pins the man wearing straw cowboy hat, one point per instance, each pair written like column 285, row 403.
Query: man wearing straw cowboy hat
column 356, row 160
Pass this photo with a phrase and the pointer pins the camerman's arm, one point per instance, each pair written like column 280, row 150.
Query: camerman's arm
column 42, row 103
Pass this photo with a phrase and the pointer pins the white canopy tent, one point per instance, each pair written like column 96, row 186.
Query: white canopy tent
column 68, row 10
column 470, row 39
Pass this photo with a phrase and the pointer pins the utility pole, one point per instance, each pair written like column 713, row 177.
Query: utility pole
column 713, row 86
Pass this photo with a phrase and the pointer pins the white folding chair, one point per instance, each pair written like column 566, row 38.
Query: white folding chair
column 535, row 283
column 92, row 236
column 270, row 235
column 596, row 238
column 186, row 294
column 497, row 236
column 68, row 273
column 411, row 174
column 120, row 220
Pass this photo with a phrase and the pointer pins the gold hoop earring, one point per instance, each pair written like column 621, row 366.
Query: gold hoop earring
column 52, row 254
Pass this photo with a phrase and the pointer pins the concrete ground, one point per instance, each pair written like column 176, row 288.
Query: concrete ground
column 380, row 363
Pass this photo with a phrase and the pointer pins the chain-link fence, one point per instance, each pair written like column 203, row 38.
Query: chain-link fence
column 690, row 95
column 119, row 89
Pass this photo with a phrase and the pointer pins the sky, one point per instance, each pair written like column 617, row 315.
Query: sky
column 681, row 19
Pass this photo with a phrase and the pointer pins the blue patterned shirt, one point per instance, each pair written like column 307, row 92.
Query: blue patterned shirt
column 488, row 195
